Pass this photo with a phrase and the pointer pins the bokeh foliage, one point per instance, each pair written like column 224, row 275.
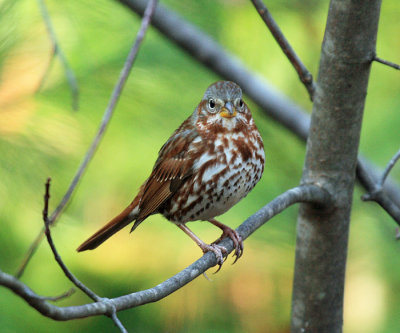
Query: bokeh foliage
column 40, row 136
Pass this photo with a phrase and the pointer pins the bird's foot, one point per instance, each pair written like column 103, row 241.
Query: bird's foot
column 219, row 251
column 232, row 234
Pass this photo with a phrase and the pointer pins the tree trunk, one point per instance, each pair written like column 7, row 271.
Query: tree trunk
column 332, row 146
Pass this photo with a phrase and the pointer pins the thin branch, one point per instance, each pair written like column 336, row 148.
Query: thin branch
column 387, row 63
column 306, row 193
column 29, row 254
column 117, row 322
column 376, row 191
column 149, row 11
column 57, row 51
column 57, row 257
column 304, row 74
column 111, row 308
column 388, row 168
column 59, row 297
column 272, row 102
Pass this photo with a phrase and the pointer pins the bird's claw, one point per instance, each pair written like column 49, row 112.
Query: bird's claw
column 219, row 251
column 238, row 244
column 236, row 239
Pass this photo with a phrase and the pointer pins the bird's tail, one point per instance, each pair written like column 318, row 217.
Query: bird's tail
column 129, row 214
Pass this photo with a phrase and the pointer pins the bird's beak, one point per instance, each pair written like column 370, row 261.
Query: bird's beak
column 228, row 111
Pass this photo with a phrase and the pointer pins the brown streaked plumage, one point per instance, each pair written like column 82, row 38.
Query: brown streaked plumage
column 207, row 165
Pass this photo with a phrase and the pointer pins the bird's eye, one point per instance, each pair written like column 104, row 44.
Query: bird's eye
column 239, row 104
column 211, row 104
column 212, row 107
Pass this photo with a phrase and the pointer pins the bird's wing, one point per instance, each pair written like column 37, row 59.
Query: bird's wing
column 172, row 168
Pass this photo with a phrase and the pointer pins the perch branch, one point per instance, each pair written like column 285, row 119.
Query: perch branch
column 305, row 193
column 57, row 51
column 304, row 74
column 387, row 63
column 103, row 125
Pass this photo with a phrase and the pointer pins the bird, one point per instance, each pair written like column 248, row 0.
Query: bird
column 211, row 162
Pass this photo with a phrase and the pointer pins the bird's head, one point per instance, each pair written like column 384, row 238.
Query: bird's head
column 222, row 108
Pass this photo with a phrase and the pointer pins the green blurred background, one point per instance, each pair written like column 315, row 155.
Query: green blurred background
column 40, row 136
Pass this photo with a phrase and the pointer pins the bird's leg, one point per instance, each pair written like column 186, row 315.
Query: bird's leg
column 232, row 234
column 218, row 250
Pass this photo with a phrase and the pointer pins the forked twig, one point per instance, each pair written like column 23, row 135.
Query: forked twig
column 111, row 307
column 379, row 184
column 57, row 51
column 103, row 125
column 304, row 74
column 388, row 168
column 377, row 194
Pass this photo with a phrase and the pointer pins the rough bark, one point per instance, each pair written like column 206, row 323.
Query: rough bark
column 331, row 158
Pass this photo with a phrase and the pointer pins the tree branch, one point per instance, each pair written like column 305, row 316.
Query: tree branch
column 376, row 192
column 387, row 63
column 59, row 297
column 149, row 11
column 57, row 51
column 389, row 168
column 304, row 74
column 312, row 194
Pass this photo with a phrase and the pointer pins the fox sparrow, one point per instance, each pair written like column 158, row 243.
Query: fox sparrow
column 207, row 165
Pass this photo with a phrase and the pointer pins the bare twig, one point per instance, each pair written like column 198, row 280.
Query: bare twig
column 304, row 74
column 388, row 168
column 29, row 254
column 57, row 257
column 103, row 125
column 376, row 192
column 59, row 297
column 307, row 193
column 57, row 51
column 388, row 63
column 111, row 308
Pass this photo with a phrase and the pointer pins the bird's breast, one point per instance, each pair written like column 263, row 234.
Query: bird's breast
column 224, row 173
